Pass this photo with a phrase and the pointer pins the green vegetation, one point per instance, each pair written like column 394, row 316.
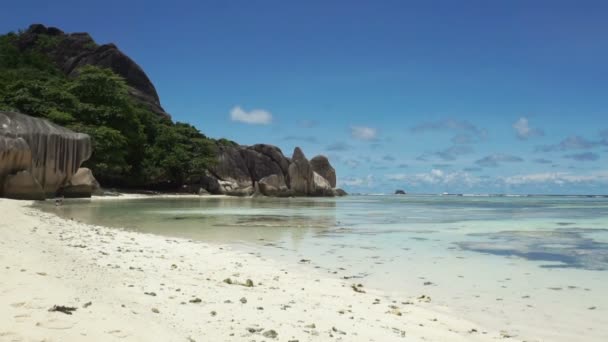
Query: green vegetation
column 133, row 147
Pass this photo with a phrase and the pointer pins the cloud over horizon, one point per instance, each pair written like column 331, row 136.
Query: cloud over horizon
column 573, row 142
column 586, row 156
column 494, row 160
column 466, row 131
column 338, row 146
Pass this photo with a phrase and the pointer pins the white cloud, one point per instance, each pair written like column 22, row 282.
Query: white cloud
column 524, row 131
column 363, row 133
column 436, row 177
column 558, row 178
column 253, row 117
column 357, row 181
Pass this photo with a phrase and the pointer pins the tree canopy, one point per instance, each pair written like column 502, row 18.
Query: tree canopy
column 133, row 147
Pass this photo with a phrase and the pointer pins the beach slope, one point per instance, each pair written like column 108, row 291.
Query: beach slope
column 137, row 287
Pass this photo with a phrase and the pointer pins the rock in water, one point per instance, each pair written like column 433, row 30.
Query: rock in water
column 273, row 185
column 399, row 192
column 82, row 184
column 339, row 192
column 49, row 153
column 264, row 170
column 321, row 186
column 321, row 165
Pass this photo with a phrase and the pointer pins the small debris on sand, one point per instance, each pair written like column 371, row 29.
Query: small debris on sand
column 270, row 334
column 357, row 288
column 63, row 309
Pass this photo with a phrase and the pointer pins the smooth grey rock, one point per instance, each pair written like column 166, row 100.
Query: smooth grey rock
column 273, row 185
column 264, row 170
column 339, row 192
column 301, row 176
column 320, row 164
column 259, row 165
column 321, row 186
column 15, row 155
column 82, row 184
column 275, row 154
column 23, row 185
column 55, row 153
column 231, row 172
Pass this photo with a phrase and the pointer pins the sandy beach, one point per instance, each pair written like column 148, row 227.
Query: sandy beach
column 139, row 287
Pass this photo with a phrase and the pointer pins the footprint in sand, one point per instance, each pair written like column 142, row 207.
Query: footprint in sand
column 56, row 324
column 118, row 333
column 21, row 318
column 18, row 305
column 11, row 336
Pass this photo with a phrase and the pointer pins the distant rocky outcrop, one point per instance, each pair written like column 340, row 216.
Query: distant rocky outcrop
column 264, row 170
column 37, row 158
column 399, row 192
column 72, row 51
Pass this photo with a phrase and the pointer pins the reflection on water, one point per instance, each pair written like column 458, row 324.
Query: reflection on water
column 569, row 247
column 533, row 228
column 214, row 219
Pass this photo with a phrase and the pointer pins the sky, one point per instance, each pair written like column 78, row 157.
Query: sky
column 425, row 96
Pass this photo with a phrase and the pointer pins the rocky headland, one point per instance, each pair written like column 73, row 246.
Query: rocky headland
column 40, row 158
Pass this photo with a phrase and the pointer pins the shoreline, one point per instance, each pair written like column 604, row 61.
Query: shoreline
column 135, row 286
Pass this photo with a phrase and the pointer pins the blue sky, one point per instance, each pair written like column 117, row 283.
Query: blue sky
column 428, row 96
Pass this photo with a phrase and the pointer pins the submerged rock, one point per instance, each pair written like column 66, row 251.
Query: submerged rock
column 49, row 153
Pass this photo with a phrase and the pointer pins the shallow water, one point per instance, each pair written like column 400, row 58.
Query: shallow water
column 533, row 266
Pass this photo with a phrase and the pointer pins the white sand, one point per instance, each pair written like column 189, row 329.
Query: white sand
column 47, row 261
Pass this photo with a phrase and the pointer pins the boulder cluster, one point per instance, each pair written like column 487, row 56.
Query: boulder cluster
column 39, row 159
column 264, row 170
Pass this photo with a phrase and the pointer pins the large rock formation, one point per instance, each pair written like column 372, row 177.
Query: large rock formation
column 263, row 169
column 37, row 156
column 74, row 50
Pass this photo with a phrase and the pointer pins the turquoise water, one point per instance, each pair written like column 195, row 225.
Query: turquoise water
column 566, row 232
column 528, row 263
